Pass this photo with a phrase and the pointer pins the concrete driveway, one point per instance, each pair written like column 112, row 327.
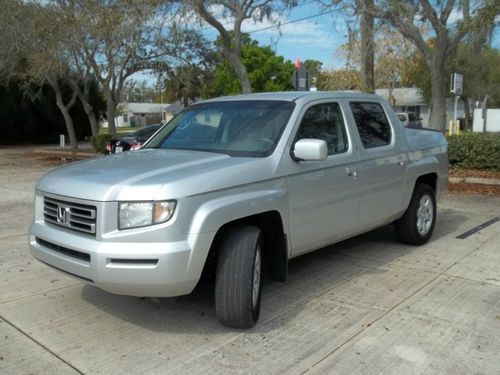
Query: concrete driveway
column 367, row 305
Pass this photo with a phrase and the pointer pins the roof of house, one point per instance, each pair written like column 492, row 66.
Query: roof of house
column 174, row 107
column 145, row 107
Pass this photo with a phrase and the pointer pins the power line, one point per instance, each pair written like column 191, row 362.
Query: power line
column 292, row 21
column 283, row 23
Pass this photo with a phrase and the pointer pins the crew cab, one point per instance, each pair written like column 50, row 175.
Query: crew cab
column 239, row 184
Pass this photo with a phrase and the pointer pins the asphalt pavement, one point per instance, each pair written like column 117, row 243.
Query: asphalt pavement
column 368, row 305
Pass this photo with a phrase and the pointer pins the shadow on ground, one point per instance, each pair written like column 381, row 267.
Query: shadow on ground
column 310, row 275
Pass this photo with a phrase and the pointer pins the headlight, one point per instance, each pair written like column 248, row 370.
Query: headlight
column 141, row 214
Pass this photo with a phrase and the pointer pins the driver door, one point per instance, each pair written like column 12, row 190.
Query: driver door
column 323, row 197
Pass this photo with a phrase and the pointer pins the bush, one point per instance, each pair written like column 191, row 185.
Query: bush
column 99, row 142
column 475, row 151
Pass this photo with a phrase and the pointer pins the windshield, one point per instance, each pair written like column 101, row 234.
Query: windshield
column 249, row 128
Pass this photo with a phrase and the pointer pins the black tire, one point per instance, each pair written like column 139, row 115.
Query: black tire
column 236, row 305
column 415, row 227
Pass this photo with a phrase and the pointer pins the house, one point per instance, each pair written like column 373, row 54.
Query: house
column 137, row 115
column 407, row 99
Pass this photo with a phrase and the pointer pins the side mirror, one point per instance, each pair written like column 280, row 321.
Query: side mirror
column 310, row 150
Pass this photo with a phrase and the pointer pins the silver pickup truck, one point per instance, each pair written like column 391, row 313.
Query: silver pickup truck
column 239, row 185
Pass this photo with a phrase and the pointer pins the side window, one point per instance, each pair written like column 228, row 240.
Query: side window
column 373, row 126
column 325, row 121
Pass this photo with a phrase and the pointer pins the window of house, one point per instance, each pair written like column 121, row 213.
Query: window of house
column 125, row 118
column 373, row 126
column 325, row 121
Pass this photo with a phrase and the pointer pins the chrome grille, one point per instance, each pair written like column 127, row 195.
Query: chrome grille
column 75, row 216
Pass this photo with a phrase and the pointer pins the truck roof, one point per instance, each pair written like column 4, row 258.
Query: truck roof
column 294, row 95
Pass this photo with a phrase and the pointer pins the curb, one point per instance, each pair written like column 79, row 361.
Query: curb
column 69, row 154
column 474, row 180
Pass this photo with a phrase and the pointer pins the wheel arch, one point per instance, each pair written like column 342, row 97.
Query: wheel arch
column 429, row 178
column 275, row 242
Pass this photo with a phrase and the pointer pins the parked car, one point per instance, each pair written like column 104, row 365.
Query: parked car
column 239, row 185
column 410, row 120
column 132, row 141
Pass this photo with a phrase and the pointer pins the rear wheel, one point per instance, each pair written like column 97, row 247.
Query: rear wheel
column 417, row 224
column 238, row 284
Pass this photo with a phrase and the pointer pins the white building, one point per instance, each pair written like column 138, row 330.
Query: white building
column 137, row 115
column 407, row 99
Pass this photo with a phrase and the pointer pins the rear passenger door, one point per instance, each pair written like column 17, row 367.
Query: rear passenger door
column 322, row 194
column 382, row 165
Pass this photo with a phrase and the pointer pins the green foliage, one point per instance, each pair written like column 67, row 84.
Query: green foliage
column 266, row 72
column 186, row 83
column 99, row 142
column 479, row 68
column 475, row 151
column 314, row 67
column 480, row 71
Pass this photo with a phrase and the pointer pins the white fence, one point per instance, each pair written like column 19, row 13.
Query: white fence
column 492, row 120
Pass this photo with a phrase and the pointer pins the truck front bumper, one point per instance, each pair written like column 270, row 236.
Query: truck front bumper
column 131, row 268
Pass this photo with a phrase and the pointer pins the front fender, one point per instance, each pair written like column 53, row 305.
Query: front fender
column 216, row 212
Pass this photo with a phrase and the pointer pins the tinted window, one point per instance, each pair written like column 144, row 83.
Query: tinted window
column 238, row 128
column 325, row 121
column 373, row 126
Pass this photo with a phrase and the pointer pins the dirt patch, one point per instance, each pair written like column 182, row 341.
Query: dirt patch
column 464, row 188
column 474, row 173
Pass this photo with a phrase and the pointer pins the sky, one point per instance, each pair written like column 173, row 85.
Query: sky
column 307, row 32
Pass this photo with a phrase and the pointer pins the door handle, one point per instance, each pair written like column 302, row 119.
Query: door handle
column 351, row 173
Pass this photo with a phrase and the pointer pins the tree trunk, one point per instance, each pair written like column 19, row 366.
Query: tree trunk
column 69, row 125
column 94, row 126
column 89, row 110
column 468, row 115
column 83, row 96
column 239, row 69
column 367, row 50
column 111, row 110
column 485, row 113
column 438, row 91
column 64, row 108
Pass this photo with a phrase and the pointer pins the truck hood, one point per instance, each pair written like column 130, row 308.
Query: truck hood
column 153, row 175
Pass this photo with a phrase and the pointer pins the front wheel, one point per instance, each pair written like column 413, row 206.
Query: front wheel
column 417, row 224
column 238, row 284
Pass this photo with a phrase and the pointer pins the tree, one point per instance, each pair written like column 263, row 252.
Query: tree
column 408, row 16
column 231, row 42
column 341, row 79
column 111, row 39
column 314, row 68
column 367, row 47
column 186, row 83
column 116, row 38
column 38, row 36
column 266, row 71
column 395, row 58
column 40, row 56
column 16, row 30
column 139, row 91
